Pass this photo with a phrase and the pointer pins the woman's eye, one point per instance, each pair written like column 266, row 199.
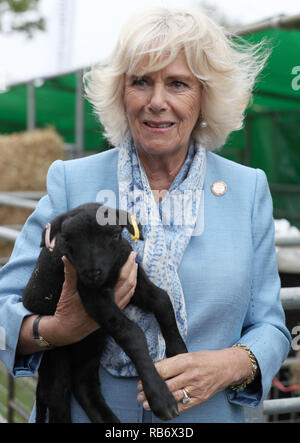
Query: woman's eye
column 178, row 84
column 140, row 82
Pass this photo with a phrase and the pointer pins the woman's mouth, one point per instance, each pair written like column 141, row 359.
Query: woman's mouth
column 158, row 126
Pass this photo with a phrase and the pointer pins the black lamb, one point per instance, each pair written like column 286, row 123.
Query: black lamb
column 98, row 252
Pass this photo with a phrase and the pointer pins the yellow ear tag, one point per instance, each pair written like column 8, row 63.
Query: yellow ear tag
column 135, row 237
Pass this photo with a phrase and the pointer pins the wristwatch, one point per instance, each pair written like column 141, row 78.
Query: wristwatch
column 37, row 337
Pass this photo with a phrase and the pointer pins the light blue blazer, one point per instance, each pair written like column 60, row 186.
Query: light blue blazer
column 228, row 274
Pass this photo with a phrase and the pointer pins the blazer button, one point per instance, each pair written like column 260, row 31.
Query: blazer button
column 219, row 188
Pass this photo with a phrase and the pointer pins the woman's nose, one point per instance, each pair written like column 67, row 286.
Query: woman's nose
column 158, row 98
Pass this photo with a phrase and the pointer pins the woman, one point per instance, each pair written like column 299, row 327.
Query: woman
column 174, row 89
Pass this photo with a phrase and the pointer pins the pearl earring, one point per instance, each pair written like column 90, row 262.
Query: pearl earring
column 204, row 124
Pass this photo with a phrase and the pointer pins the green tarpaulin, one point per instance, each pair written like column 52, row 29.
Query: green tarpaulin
column 55, row 105
column 270, row 139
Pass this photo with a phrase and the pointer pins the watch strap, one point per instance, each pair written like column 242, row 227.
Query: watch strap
column 37, row 337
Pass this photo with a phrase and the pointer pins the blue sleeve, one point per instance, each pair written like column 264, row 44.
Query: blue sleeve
column 264, row 330
column 15, row 275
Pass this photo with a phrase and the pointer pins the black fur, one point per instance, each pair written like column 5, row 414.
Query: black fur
column 98, row 253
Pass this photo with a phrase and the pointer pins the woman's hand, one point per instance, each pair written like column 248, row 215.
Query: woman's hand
column 126, row 284
column 202, row 374
column 71, row 323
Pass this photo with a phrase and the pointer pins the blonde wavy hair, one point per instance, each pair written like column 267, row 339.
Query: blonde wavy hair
column 226, row 66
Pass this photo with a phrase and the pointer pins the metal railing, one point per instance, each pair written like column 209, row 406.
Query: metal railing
column 8, row 234
column 17, row 201
column 281, row 406
column 290, row 298
column 22, row 200
column 278, row 22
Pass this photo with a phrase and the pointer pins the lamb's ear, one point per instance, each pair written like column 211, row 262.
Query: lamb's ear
column 129, row 221
column 51, row 230
column 55, row 226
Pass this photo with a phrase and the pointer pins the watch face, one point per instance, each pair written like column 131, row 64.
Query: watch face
column 42, row 342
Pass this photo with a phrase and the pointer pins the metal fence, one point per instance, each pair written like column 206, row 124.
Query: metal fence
column 290, row 298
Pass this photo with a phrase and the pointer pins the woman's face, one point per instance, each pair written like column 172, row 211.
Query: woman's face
column 163, row 107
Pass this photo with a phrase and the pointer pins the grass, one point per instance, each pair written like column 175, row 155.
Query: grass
column 24, row 397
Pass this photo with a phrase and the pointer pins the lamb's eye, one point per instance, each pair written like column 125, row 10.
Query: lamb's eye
column 116, row 236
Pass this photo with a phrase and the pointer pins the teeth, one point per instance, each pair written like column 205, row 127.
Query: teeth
column 164, row 125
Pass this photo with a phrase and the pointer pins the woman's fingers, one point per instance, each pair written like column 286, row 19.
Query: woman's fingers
column 126, row 284
column 192, row 372
column 71, row 319
column 200, row 375
column 124, row 288
column 173, row 371
column 183, row 396
column 70, row 283
column 173, row 366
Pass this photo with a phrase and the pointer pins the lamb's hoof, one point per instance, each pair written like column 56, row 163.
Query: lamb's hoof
column 165, row 406
column 169, row 414
column 112, row 418
column 106, row 416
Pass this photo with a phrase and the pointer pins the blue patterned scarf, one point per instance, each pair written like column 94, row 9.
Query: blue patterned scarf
column 167, row 229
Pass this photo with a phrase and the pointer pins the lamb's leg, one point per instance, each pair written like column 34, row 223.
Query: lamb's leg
column 41, row 408
column 132, row 340
column 54, row 387
column 85, row 378
column 87, row 390
column 151, row 298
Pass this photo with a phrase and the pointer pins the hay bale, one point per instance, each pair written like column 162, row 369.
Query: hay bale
column 25, row 160
column 26, row 157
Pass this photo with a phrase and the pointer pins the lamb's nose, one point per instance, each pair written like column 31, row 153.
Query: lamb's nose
column 93, row 274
